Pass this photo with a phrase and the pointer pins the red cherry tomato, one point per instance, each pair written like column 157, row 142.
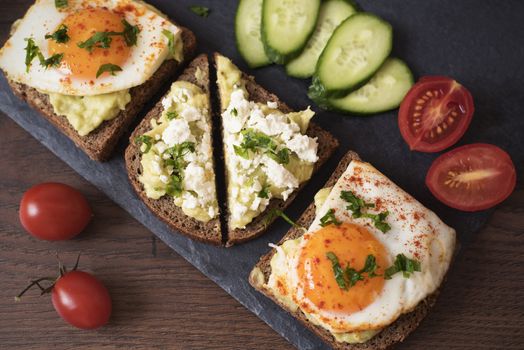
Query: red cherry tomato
column 435, row 113
column 81, row 300
column 472, row 177
column 54, row 211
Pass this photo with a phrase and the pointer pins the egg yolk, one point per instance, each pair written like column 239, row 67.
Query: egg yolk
column 351, row 244
column 81, row 26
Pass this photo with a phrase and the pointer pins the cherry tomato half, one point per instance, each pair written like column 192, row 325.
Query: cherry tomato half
column 81, row 300
column 435, row 113
column 54, row 211
column 472, row 177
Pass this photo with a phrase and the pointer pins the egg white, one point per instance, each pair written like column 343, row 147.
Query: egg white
column 43, row 17
column 410, row 221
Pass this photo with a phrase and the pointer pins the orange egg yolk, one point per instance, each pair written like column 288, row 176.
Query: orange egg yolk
column 351, row 244
column 81, row 26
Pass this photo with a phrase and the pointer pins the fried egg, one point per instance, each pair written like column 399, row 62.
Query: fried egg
column 76, row 73
column 302, row 276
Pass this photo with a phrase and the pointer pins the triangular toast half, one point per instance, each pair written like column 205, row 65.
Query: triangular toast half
column 326, row 146
column 164, row 207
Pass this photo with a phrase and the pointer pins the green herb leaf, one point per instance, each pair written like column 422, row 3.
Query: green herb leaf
column 171, row 115
column 60, row 3
column 281, row 157
column 170, row 41
column 174, row 186
column 53, row 61
column 200, row 10
column 130, row 33
column 254, row 140
column 378, row 220
column 146, row 140
column 337, row 270
column 356, row 205
column 329, row 218
column 277, row 212
column 370, row 266
column 60, row 36
column 264, row 192
column 234, row 112
column 99, row 39
column 103, row 39
column 353, row 276
column 108, row 67
column 402, row 264
column 31, row 51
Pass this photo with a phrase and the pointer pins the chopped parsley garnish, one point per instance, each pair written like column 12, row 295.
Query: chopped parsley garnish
column 402, row 264
column 200, row 10
column 32, row 51
column 273, row 213
column 170, row 41
column 348, row 277
column 60, row 3
column 171, row 115
column 108, row 67
column 254, row 140
column 234, row 112
column 53, row 61
column 146, row 140
column 176, row 160
column 103, row 39
column 356, row 205
column 329, row 218
column 264, row 192
column 60, row 36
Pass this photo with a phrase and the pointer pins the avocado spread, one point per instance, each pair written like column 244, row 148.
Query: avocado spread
column 266, row 151
column 177, row 153
column 86, row 113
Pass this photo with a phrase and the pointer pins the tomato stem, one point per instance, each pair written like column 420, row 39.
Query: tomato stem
column 37, row 283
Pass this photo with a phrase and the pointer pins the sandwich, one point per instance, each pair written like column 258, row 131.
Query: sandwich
column 363, row 265
column 170, row 161
column 89, row 67
column 270, row 151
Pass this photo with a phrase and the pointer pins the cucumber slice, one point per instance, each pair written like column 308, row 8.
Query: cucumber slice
column 383, row 92
column 248, row 21
column 287, row 26
column 332, row 13
column 355, row 51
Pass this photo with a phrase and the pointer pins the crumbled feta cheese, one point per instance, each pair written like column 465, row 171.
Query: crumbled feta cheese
column 164, row 179
column 190, row 114
column 177, row 131
column 278, row 175
column 272, row 105
column 160, row 146
column 304, row 146
column 155, row 165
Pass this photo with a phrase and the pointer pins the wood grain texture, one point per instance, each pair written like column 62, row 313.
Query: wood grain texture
column 162, row 302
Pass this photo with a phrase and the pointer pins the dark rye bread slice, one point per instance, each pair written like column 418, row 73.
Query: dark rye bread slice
column 327, row 144
column 165, row 207
column 396, row 332
column 100, row 143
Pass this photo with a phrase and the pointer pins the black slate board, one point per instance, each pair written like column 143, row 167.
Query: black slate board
column 477, row 42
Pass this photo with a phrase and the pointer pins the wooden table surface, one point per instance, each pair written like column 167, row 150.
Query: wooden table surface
column 162, row 302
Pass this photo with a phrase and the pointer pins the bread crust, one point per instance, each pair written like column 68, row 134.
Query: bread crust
column 164, row 207
column 394, row 333
column 100, row 143
column 327, row 144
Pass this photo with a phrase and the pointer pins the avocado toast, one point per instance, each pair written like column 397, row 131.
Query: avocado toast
column 318, row 145
column 378, row 339
column 207, row 229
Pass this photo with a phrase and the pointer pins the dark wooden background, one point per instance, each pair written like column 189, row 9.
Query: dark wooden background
column 162, row 302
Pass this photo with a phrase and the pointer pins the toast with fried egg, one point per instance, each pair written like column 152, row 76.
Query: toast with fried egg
column 390, row 332
column 99, row 142
column 326, row 144
column 164, row 207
